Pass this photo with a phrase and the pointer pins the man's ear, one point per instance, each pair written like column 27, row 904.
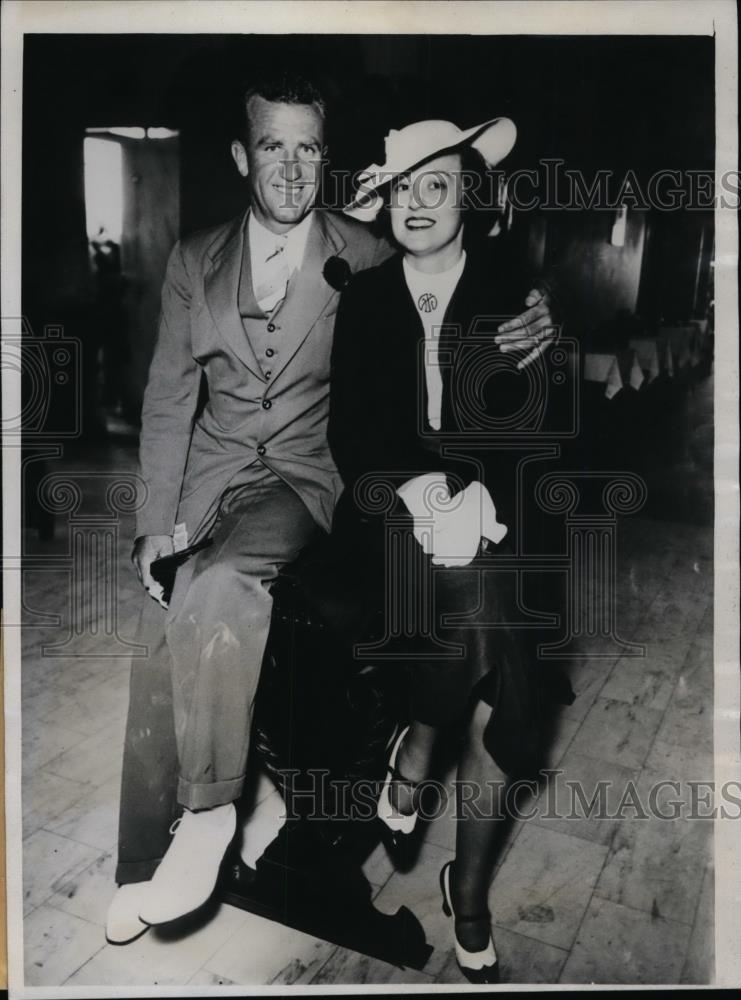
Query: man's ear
column 239, row 155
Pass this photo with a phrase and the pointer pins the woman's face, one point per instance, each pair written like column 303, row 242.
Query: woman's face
column 425, row 210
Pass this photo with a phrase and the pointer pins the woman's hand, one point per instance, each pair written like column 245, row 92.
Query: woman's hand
column 533, row 330
column 458, row 532
column 448, row 528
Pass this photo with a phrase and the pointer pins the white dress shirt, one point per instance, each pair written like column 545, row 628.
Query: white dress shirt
column 267, row 249
column 432, row 294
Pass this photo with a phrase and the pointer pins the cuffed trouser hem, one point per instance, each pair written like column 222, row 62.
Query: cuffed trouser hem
column 128, row 872
column 207, row 795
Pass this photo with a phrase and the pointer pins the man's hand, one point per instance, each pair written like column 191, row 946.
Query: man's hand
column 146, row 550
column 533, row 330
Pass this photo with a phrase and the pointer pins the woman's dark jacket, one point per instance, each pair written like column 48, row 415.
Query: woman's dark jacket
column 380, row 438
column 378, row 394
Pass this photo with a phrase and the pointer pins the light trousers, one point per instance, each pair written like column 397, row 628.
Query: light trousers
column 191, row 699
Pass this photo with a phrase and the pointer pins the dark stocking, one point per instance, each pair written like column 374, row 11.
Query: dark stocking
column 413, row 762
column 480, row 794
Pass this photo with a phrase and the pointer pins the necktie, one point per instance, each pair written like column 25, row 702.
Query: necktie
column 274, row 280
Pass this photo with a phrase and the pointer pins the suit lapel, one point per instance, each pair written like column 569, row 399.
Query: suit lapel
column 308, row 290
column 222, row 293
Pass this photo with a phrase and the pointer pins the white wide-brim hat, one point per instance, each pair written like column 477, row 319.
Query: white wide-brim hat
column 410, row 147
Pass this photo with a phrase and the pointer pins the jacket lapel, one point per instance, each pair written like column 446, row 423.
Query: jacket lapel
column 222, row 292
column 309, row 293
column 407, row 338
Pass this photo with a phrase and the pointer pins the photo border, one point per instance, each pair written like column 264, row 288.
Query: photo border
column 563, row 17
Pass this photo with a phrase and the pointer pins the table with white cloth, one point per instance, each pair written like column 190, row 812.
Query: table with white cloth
column 615, row 369
column 654, row 356
column 685, row 343
column 702, row 340
column 628, row 392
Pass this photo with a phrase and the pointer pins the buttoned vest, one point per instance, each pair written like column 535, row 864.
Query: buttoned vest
column 262, row 331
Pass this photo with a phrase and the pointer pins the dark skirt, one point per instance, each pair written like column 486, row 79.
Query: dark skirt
column 472, row 608
column 449, row 629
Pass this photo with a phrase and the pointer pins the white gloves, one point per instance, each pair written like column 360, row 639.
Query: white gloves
column 450, row 529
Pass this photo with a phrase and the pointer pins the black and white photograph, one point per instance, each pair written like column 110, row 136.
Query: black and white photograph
column 370, row 496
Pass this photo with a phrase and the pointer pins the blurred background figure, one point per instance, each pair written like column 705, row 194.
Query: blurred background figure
column 114, row 353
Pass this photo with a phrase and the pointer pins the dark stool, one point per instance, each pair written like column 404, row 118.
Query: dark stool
column 323, row 721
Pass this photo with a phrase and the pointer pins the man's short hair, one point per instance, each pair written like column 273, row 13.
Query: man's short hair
column 284, row 88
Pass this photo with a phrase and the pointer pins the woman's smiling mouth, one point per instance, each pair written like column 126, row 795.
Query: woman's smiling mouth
column 419, row 222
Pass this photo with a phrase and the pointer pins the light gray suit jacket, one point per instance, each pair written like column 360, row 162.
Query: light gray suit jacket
column 187, row 458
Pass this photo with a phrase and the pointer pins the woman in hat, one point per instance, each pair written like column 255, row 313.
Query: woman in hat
column 415, row 366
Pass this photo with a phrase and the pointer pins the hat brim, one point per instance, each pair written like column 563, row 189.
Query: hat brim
column 494, row 140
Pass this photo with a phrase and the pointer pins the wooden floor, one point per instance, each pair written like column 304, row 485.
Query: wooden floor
column 574, row 900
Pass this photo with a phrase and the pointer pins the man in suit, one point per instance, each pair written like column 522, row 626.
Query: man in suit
column 247, row 306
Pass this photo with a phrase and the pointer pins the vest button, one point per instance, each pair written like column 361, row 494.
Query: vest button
column 266, row 404
column 261, row 450
column 271, row 327
column 270, row 352
column 268, row 374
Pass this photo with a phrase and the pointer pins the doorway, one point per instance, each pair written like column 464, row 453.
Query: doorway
column 132, row 206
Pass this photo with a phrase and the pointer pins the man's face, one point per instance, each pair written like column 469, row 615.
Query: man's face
column 282, row 160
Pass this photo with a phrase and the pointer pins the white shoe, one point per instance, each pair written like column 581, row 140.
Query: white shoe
column 187, row 874
column 122, row 923
column 478, row 967
column 397, row 822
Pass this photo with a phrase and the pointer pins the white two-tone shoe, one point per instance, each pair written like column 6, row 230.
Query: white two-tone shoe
column 477, row 966
column 400, row 824
column 187, row 875
column 122, row 924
